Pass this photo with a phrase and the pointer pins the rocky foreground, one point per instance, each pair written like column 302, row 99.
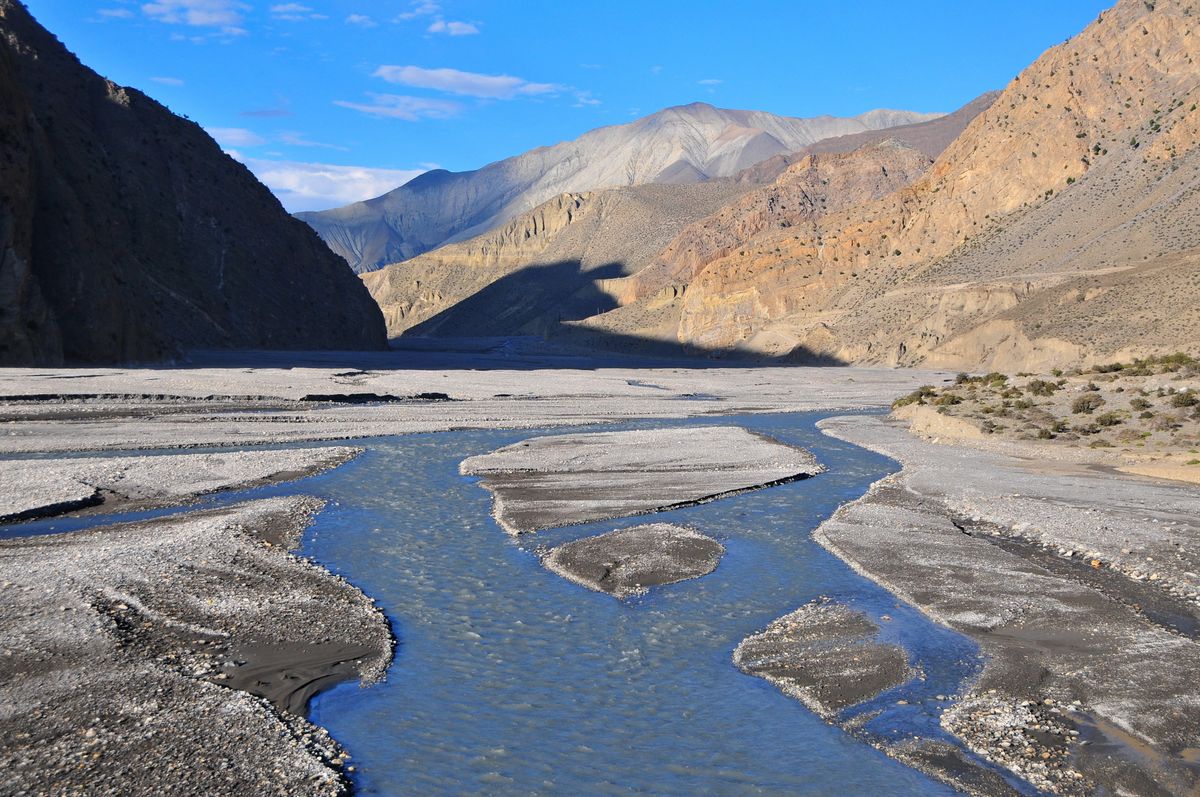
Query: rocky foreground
column 127, row 650
column 1091, row 674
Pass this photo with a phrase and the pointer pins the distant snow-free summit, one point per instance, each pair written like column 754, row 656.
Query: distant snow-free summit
column 684, row 144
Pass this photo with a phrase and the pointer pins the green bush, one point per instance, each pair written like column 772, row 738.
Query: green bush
column 918, row 396
column 1187, row 398
column 1040, row 387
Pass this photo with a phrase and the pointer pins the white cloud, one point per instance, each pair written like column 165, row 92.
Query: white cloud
column 235, row 137
column 168, row 81
column 412, row 109
column 362, row 20
column 115, row 13
column 453, row 28
column 225, row 14
column 294, row 12
column 584, row 98
column 420, row 8
column 317, row 186
column 471, row 84
column 709, row 81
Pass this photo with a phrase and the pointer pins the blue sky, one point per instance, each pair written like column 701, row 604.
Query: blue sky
column 330, row 101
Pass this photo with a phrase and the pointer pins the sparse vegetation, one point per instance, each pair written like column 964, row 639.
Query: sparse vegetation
column 1110, row 405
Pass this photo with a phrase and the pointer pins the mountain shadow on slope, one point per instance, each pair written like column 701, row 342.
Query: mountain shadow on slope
column 543, row 300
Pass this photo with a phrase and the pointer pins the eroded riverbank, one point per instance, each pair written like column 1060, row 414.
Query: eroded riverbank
column 1083, row 691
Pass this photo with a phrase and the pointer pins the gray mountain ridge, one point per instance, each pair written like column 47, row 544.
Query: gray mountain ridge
column 683, row 144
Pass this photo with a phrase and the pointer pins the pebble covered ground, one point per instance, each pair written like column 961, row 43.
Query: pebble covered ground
column 117, row 647
column 561, row 480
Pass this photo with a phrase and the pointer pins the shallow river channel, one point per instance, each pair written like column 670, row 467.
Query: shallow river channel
column 511, row 680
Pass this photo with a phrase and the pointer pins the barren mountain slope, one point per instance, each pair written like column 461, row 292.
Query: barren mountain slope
column 1086, row 162
column 685, row 144
column 542, row 266
column 631, row 229
column 125, row 232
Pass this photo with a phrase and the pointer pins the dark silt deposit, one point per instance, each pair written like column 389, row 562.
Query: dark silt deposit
column 630, row 561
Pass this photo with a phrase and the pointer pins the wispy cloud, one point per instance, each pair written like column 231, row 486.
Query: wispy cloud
column 235, row 137
column 361, row 20
column 412, row 109
column 115, row 13
column 584, row 99
column 470, row 84
column 453, row 28
column 168, row 81
column 228, row 15
column 295, row 12
column 709, row 81
column 317, row 186
column 419, row 8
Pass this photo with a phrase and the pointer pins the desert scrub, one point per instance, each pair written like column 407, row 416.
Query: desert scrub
column 1040, row 387
column 1109, row 419
column 918, row 396
column 1186, row 398
column 1086, row 405
column 1139, row 404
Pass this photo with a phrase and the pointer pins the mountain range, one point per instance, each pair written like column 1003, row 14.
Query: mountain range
column 686, row 144
column 1055, row 223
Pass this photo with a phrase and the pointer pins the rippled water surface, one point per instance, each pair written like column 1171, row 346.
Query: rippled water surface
column 511, row 680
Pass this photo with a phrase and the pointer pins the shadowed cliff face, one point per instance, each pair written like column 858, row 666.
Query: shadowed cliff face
column 126, row 234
